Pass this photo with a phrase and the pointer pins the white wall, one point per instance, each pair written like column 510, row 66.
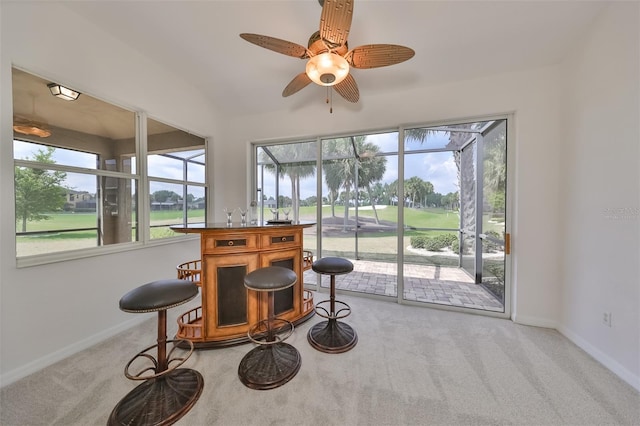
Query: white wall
column 49, row 311
column 41, row 311
column 600, row 235
column 531, row 95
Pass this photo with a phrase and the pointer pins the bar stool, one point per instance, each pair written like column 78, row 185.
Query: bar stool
column 332, row 336
column 272, row 363
column 167, row 392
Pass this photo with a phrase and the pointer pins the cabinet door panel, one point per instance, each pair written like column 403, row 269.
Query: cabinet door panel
column 283, row 299
column 232, row 298
column 230, row 307
column 287, row 302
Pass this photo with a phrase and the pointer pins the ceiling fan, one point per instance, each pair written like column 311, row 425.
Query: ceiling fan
column 327, row 53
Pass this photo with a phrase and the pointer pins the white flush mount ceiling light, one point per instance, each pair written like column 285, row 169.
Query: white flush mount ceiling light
column 62, row 92
column 327, row 69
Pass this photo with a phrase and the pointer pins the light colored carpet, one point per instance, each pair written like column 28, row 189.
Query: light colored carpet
column 411, row 366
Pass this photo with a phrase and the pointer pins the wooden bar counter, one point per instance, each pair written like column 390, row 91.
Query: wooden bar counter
column 228, row 253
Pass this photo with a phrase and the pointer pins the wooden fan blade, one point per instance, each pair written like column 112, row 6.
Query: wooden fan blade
column 298, row 83
column 348, row 89
column 335, row 22
column 277, row 45
column 378, row 55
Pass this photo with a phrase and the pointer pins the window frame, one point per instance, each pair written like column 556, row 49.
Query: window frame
column 139, row 177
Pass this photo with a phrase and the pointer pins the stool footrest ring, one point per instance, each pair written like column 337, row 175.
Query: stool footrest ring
column 173, row 362
column 343, row 310
column 270, row 332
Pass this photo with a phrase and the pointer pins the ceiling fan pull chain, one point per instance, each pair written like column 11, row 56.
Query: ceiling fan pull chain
column 330, row 104
column 330, row 95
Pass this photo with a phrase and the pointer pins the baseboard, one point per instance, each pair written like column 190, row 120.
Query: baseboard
column 611, row 364
column 534, row 321
column 49, row 359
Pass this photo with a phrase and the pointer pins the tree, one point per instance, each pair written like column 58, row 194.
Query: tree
column 370, row 171
column 165, row 195
column 495, row 171
column 296, row 164
column 353, row 153
column 38, row 191
column 417, row 189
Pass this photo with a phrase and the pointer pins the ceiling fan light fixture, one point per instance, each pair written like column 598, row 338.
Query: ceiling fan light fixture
column 327, row 69
column 62, row 92
column 31, row 128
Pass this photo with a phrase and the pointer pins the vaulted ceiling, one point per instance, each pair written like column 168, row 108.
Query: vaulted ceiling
column 453, row 40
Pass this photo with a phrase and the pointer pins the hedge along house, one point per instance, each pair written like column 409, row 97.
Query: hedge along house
column 573, row 100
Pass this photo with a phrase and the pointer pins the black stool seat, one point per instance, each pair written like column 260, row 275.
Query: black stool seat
column 272, row 363
column 271, row 278
column 157, row 295
column 332, row 336
column 332, row 266
column 167, row 393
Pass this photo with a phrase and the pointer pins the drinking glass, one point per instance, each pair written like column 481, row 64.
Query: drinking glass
column 286, row 212
column 275, row 213
column 243, row 215
column 229, row 213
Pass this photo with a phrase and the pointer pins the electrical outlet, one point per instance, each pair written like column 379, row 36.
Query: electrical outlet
column 606, row 318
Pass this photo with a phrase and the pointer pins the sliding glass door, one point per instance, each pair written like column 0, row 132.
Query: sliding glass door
column 420, row 212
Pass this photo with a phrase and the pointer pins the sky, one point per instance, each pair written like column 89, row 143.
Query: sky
column 439, row 168
column 159, row 166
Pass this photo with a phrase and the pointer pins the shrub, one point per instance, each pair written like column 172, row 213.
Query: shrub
column 436, row 243
column 490, row 246
column 418, row 241
column 433, row 244
column 455, row 246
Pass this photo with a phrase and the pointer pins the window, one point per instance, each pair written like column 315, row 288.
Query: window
column 78, row 180
column 421, row 212
column 176, row 169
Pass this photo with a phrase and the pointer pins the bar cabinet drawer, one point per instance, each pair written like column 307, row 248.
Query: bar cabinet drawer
column 230, row 243
column 281, row 239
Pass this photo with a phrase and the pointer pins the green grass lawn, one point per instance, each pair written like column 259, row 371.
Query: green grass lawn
column 375, row 241
column 89, row 220
column 414, row 218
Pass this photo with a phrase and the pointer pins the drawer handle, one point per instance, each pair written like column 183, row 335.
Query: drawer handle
column 230, row 243
column 284, row 239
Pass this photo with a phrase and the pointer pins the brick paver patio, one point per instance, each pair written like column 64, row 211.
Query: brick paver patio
column 422, row 283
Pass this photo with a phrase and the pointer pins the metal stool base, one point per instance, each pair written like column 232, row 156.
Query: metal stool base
column 332, row 336
column 159, row 401
column 269, row 366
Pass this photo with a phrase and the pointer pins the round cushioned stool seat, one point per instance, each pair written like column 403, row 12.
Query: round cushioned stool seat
column 332, row 266
column 272, row 363
column 158, row 295
column 270, row 279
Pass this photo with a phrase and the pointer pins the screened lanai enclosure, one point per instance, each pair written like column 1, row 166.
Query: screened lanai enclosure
column 421, row 212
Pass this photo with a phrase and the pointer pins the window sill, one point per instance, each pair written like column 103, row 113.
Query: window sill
column 65, row 256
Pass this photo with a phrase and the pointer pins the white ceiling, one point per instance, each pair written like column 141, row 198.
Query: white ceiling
column 453, row 40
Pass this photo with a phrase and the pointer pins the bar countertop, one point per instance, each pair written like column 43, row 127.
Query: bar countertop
column 237, row 226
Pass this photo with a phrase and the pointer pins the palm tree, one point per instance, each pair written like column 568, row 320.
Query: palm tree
column 370, row 171
column 353, row 153
column 296, row 162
